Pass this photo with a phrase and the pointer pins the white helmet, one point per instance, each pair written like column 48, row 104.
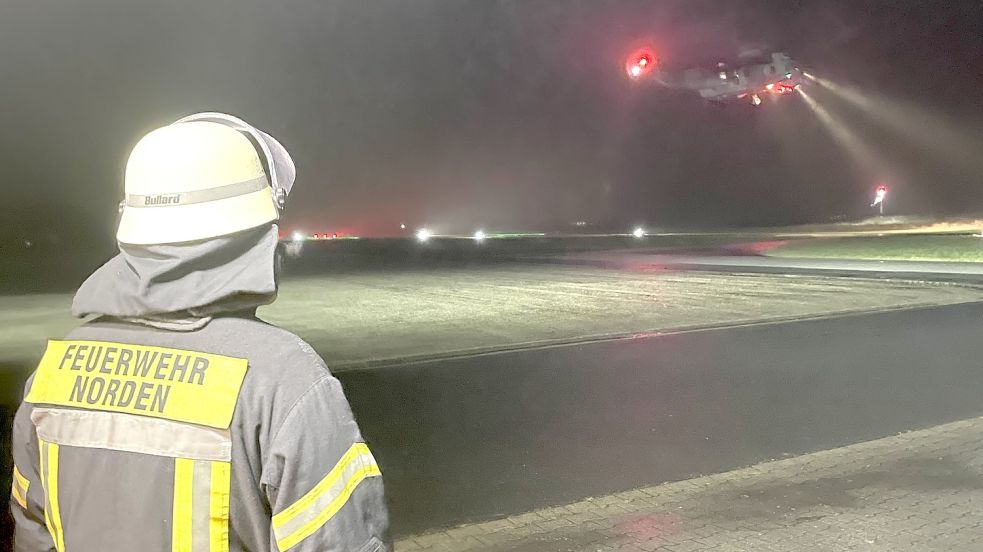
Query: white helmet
column 202, row 177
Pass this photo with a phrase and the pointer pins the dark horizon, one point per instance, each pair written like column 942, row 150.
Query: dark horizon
column 500, row 115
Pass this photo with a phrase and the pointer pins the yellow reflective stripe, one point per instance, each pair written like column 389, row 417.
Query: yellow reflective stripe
column 201, row 506
column 53, row 492
column 305, row 501
column 49, row 482
column 219, row 507
column 20, row 497
column 309, row 513
column 181, row 518
column 333, row 507
column 19, row 488
column 20, row 480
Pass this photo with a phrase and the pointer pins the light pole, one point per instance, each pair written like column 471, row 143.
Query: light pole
column 879, row 194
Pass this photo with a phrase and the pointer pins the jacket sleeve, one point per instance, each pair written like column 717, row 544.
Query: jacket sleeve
column 322, row 482
column 27, row 495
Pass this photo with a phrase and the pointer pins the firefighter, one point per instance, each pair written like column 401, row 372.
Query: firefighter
column 174, row 419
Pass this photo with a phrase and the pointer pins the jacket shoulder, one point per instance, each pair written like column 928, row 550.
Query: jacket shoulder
column 274, row 349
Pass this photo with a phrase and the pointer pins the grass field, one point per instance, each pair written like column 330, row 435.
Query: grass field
column 360, row 317
column 952, row 248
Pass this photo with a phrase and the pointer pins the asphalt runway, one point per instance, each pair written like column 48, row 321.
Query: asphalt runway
column 476, row 438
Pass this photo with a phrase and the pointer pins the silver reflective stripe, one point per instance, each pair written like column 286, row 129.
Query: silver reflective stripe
column 200, row 515
column 197, row 196
column 50, row 485
column 127, row 432
column 201, row 506
column 43, row 448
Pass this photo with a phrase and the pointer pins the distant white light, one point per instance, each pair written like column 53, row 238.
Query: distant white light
column 770, row 86
column 755, row 100
column 402, row 227
column 298, row 236
column 423, row 234
column 479, row 235
column 638, row 232
column 636, row 70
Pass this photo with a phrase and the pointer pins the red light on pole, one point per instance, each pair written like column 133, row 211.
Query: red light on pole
column 879, row 194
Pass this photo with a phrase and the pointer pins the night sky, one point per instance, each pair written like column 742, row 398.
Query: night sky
column 504, row 115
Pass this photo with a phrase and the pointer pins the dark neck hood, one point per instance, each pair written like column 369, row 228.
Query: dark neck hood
column 184, row 284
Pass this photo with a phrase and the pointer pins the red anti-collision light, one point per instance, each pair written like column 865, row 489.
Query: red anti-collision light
column 640, row 62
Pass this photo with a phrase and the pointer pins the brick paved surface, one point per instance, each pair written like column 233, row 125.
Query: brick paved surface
column 921, row 490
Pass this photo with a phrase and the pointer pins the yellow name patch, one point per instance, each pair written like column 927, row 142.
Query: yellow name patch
column 184, row 386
